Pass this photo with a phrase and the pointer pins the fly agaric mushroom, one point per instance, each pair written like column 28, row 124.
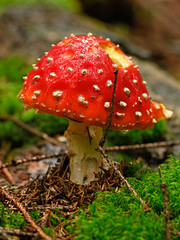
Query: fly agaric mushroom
column 75, row 80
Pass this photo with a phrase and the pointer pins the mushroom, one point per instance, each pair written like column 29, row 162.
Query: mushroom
column 75, row 80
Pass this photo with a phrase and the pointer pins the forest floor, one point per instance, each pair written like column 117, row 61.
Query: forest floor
column 37, row 197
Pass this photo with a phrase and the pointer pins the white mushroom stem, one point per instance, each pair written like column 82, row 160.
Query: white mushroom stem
column 84, row 159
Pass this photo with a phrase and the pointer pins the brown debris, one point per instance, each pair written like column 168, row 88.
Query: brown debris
column 55, row 190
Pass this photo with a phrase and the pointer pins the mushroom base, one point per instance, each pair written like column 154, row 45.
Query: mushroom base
column 84, row 159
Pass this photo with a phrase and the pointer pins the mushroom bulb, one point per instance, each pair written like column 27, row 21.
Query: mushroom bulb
column 75, row 80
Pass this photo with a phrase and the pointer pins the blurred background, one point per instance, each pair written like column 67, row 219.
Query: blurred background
column 146, row 30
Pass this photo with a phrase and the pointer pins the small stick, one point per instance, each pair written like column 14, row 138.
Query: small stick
column 131, row 189
column 103, row 139
column 32, row 130
column 17, row 232
column 177, row 232
column 28, row 218
column 167, row 212
column 8, row 175
column 33, row 159
column 144, row 145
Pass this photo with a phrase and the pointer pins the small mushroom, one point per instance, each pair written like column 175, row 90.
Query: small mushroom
column 80, row 89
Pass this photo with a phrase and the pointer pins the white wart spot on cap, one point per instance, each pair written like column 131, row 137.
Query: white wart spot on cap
column 52, row 74
column 96, row 87
column 84, row 71
column 109, row 83
column 21, row 96
column 81, row 99
column 144, row 82
column 154, row 120
column 57, row 93
column 125, row 70
column 100, row 71
column 145, row 96
column 139, row 99
column 147, row 112
column 36, row 77
column 122, row 104
column 157, row 106
column 69, row 69
column 34, row 97
column 81, row 55
column 37, row 92
column 25, row 78
column 37, row 111
column 135, row 81
column 115, row 66
column 89, row 34
column 120, row 114
column 34, row 67
column 49, row 59
column 127, row 91
column 138, row 114
column 107, row 104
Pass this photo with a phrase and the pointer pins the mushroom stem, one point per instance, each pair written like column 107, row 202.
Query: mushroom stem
column 84, row 159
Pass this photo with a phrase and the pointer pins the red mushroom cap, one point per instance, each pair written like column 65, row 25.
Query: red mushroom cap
column 75, row 80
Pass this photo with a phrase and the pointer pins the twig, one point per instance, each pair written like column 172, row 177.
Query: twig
column 28, row 218
column 17, row 232
column 131, row 189
column 177, row 232
column 32, row 130
column 167, row 212
column 102, row 141
column 8, row 175
column 70, row 237
column 144, row 145
column 33, row 159
column 3, row 153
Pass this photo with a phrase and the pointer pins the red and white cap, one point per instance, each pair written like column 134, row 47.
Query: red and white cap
column 75, row 80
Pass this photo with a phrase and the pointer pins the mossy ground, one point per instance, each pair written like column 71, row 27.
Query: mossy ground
column 117, row 214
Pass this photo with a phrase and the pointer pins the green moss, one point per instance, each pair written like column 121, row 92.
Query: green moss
column 72, row 5
column 119, row 215
column 11, row 220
